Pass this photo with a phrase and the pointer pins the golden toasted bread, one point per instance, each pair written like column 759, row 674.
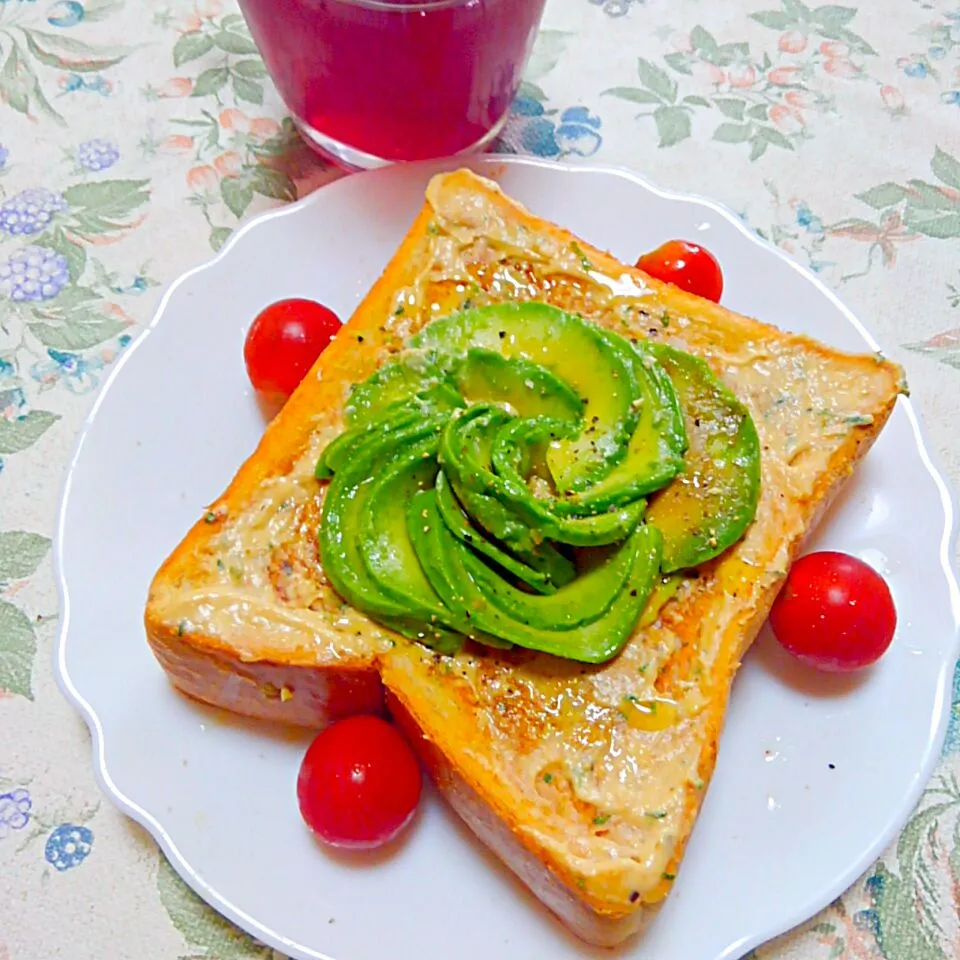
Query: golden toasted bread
column 589, row 803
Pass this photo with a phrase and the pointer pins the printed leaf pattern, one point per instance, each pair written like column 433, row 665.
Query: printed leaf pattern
column 25, row 431
column 205, row 931
column 239, row 156
column 20, row 554
column 30, row 56
column 828, row 21
column 750, row 99
column 912, row 912
column 944, row 346
column 18, row 646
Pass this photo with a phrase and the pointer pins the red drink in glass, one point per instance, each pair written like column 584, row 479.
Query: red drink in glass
column 373, row 81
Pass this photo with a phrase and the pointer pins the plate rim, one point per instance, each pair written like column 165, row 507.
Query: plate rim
column 489, row 164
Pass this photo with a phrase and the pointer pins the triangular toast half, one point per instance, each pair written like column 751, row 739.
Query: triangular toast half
column 535, row 753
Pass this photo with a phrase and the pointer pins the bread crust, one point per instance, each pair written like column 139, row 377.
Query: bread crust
column 439, row 712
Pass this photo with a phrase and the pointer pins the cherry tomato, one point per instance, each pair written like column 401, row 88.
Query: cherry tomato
column 686, row 265
column 283, row 343
column 359, row 783
column 834, row 612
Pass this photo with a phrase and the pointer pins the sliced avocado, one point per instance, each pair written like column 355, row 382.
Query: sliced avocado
column 528, row 389
column 343, row 507
column 709, row 506
column 335, row 452
column 382, row 529
column 446, row 563
column 461, row 461
column 346, row 446
column 440, row 397
column 598, row 369
column 546, row 568
column 466, row 452
column 502, row 437
column 411, row 376
column 581, row 602
column 498, row 520
column 655, row 453
column 514, row 446
column 388, row 552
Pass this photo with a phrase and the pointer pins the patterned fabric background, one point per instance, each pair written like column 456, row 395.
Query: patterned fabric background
column 134, row 137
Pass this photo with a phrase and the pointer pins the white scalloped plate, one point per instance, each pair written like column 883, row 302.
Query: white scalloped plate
column 815, row 775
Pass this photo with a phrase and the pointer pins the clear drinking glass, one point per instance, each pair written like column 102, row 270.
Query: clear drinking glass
column 376, row 81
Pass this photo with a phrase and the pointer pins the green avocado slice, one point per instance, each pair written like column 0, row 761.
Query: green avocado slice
column 513, row 448
column 462, row 468
column 582, row 601
column 655, row 452
column 598, row 369
column 447, row 565
column 439, row 398
column 528, row 389
column 343, row 507
column 466, row 453
column 709, row 506
column 543, row 569
column 382, row 530
column 504, row 435
column 386, row 548
column 346, row 447
column 397, row 382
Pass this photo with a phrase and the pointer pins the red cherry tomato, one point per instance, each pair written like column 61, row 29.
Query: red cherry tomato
column 834, row 612
column 686, row 265
column 283, row 343
column 359, row 783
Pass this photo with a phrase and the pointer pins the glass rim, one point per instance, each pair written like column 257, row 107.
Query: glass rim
column 392, row 6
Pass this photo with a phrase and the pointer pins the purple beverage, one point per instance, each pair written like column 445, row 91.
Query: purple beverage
column 386, row 80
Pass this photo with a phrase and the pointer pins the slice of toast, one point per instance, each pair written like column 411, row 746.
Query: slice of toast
column 586, row 800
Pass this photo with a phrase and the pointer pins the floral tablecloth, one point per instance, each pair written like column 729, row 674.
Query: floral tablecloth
column 134, row 137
